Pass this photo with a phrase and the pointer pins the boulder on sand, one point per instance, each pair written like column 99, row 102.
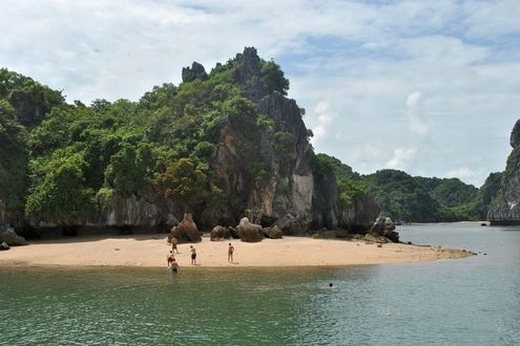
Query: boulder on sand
column 249, row 232
column 186, row 231
column 384, row 227
column 273, row 232
column 219, row 233
column 9, row 236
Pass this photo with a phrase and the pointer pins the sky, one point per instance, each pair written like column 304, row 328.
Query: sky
column 431, row 88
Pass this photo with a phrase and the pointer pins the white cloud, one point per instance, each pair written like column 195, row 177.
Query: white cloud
column 351, row 64
column 462, row 173
column 324, row 121
column 487, row 19
column 367, row 151
column 417, row 125
column 401, row 159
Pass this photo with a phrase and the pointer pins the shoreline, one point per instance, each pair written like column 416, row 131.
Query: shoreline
column 151, row 251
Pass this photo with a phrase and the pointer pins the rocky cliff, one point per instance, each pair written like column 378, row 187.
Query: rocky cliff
column 260, row 164
column 505, row 207
column 284, row 191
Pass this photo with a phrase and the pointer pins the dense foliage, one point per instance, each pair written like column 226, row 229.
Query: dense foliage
column 406, row 198
column 14, row 158
column 62, row 161
column 422, row 199
column 349, row 183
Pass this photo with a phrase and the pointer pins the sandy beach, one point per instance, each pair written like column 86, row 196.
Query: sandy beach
column 151, row 251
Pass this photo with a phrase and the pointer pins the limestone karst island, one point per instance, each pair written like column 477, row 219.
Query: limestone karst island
column 224, row 154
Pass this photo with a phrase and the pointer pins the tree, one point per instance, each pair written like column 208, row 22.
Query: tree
column 30, row 100
column 61, row 195
column 14, row 157
column 184, row 183
column 273, row 78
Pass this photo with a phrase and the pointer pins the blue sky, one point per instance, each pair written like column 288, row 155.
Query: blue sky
column 427, row 87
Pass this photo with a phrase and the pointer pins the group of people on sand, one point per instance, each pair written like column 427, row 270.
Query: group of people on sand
column 174, row 266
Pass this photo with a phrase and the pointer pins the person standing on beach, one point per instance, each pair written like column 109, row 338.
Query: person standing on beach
column 230, row 251
column 193, row 255
column 175, row 241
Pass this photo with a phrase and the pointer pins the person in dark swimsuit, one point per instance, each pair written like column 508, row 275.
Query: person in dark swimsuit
column 174, row 266
column 230, row 251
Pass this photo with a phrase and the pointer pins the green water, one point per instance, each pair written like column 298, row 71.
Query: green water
column 471, row 301
column 152, row 306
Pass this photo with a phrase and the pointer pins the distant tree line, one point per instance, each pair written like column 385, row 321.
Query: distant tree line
column 415, row 199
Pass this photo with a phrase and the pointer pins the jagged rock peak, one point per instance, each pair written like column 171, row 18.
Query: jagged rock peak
column 196, row 71
column 248, row 65
column 515, row 135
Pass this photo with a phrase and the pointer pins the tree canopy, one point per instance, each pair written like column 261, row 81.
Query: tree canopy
column 60, row 161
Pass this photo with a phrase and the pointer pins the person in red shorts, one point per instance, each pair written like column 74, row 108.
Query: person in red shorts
column 170, row 259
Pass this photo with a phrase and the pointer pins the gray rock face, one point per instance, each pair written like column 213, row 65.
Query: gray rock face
column 196, row 71
column 136, row 211
column 505, row 208
column 514, row 140
column 247, row 71
column 359, row 215
column 287, row 186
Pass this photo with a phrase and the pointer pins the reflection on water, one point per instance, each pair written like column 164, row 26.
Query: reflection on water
column 471, row 301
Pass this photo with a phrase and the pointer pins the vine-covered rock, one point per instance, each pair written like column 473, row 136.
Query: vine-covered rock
column 505, row 206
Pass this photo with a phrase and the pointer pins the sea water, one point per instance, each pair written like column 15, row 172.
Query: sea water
column 470, row 301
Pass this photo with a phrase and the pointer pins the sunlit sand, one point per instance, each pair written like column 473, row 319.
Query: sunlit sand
column 151, row 251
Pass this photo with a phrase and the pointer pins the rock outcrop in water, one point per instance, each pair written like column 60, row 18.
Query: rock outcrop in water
column 505, row 207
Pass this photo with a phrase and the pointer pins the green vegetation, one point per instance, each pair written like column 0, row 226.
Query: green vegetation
column 349, row 183
column 14, row 158
column 407, row 198
column 273, row 78
column 183, row 183
column 418, row 199
column 61, row 162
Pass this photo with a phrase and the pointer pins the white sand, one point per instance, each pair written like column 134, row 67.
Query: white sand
column 151, row 251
